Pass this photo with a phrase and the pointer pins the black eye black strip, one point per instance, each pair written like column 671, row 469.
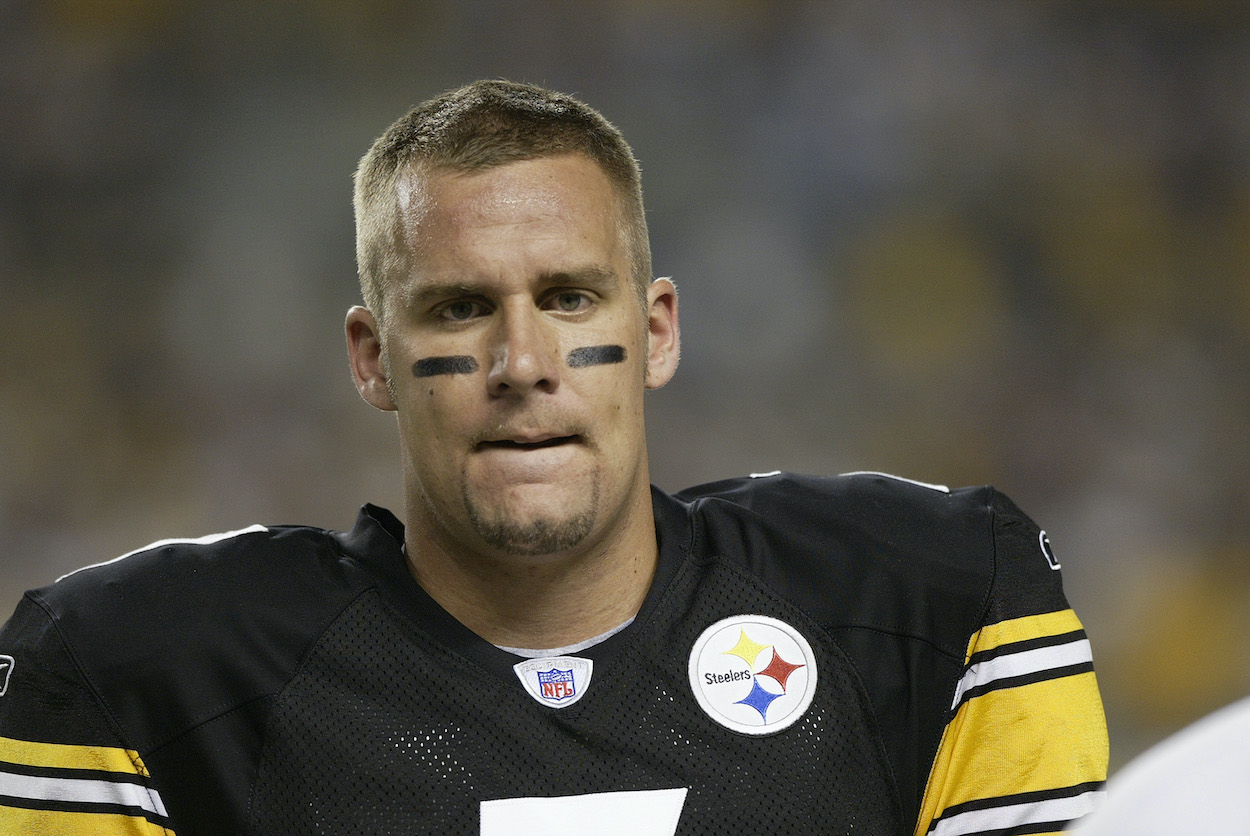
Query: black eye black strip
column 596, row 355
column 431, row 366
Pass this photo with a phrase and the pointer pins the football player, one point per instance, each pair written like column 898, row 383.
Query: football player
column 542, row 640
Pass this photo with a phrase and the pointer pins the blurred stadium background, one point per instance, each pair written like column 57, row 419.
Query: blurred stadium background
column 963, row 242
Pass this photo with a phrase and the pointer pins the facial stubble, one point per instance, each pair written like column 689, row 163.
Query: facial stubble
column 531, row 538
column 548, row 535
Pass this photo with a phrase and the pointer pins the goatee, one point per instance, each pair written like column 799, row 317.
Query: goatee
column 530, row 538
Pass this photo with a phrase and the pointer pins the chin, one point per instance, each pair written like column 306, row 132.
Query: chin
column 513, row 531
column 533, row 539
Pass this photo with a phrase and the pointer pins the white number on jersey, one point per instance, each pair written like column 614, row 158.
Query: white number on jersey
column 639, row 813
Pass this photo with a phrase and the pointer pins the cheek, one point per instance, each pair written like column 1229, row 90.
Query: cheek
column 432, row 411
column 620, row 394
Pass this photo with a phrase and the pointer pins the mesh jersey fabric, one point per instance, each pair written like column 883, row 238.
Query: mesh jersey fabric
column 416, row 751
column 296, row 680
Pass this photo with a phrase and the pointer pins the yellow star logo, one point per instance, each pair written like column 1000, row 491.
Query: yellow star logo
column 746, row 649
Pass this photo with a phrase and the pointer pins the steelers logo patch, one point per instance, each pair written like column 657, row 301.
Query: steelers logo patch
column 753, row 674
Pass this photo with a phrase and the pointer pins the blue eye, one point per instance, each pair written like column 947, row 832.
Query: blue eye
column 460, row 310
column 571, row 302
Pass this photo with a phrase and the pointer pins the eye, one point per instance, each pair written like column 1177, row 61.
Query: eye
column 570, row 301
column 461, row 310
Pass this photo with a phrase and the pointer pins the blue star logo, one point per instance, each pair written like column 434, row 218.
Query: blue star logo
column 759, row 699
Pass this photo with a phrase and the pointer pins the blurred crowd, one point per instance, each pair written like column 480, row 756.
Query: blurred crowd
column 967, row 243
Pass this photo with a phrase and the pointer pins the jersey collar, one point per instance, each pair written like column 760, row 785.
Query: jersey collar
column 376, row 542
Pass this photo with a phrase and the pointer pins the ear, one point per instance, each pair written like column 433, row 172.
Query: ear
column 663, row 333
column 364, row 352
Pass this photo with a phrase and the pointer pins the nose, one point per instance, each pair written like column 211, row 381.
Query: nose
column 525, row 353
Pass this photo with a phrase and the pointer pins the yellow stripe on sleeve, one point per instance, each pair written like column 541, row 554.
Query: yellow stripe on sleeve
column 1043, row 736
column 75, row 789
column 1020, row 629
column 63, row 756
column 19, row 820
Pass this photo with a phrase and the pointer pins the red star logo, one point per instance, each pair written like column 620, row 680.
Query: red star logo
column 779, row 669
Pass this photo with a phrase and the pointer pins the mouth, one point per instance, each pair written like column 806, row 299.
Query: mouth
column 522, row 443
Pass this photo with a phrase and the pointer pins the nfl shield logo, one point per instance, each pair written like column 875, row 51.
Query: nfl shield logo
column 556, row 684
column 555, row 681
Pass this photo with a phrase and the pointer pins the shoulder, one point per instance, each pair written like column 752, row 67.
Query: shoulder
column 847, row 494
column 870, row 549
column 876, row 513
column 180, row 578
column 888, row 512
column 231, row 581
column 170, row 633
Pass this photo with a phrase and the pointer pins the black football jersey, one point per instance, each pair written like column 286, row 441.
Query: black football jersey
column 851, row 655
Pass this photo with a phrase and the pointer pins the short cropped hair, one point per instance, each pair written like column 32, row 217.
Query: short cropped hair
column 474, row 128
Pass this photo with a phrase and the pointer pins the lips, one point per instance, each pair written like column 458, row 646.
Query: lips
column 528, row 443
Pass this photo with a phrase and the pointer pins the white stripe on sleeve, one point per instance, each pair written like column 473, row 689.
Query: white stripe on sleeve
column 1023, row 663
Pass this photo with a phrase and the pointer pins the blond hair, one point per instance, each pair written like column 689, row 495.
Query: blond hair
column 473, row 128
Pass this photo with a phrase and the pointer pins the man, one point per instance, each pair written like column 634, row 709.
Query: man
column 547, row 642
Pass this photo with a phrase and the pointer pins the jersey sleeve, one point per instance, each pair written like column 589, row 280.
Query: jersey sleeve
column 1025, row 748
column 63, row 766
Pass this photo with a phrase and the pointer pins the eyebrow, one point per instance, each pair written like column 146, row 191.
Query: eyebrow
column 600, row 279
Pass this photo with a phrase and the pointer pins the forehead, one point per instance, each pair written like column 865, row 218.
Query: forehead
column 565, row 199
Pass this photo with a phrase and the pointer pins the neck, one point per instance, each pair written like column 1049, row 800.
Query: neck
column 545, row 600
